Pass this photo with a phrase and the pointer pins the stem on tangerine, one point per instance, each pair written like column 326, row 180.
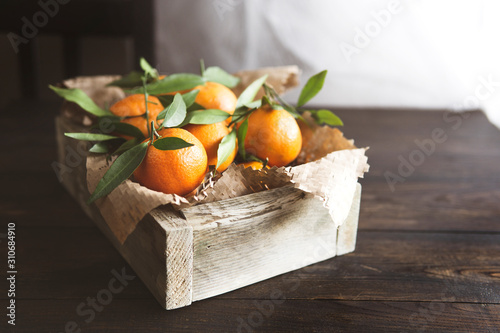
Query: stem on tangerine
column 146, row 97
column 151, row 131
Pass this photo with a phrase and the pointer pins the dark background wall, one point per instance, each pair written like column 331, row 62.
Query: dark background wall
column 100, row 55
column 45, row 41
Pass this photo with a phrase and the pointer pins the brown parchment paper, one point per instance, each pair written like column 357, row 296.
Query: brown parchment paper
column 334, row 165
column 123, row 208
column 281, row 79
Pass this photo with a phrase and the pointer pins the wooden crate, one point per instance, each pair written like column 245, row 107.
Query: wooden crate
column 184, row 256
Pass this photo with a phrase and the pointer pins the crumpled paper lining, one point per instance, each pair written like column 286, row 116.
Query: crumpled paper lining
column 126, row 205
column 323, row 141
column 238, row 180
column 331, row 177
column 280, row 78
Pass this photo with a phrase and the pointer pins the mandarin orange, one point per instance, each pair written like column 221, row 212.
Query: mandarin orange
column 214, row 95
column 273, row 134
column 134, row 106
column 210, row 136
column 173, row 171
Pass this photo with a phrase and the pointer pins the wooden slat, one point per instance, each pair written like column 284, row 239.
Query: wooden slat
column 232, row 252
column 233, row 210
column 416, row 267
column 216, row 315
column 467, row 204
column 178, row 257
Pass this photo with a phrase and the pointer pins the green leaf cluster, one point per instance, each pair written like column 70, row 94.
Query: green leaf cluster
column 175, row 82
column 312, row 87
column 246, row 105
column 179, row 110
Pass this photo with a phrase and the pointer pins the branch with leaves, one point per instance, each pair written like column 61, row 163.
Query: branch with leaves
column 246, row 105
column 179, row 110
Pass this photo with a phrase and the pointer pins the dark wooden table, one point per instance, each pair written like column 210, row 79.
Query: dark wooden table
column 427, row 258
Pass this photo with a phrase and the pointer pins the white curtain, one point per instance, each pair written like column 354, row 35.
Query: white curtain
column 418, row 54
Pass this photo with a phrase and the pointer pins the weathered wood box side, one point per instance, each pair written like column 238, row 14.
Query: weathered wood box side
column 213, row 248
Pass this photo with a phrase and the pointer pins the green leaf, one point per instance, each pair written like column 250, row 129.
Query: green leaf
column 217, row 74
column 226, row 147
column 251, row 91
column 165, row 100
column 242, row 133
column 175, row 113
column 205, row 117
column 282, row 104
column 190, row 97
column 195, row 107
column 148, row 69
column 79, row 97
column 99, row 148
column 326, row 117
column 131, row 80
column 123, row 167
column 254, row 105
column 266, row 101
column 171, row 143
column 312, row 87
column 171, row 83
column 126, row 146
column 127, row 129
column 240, row 113
column 91, row 136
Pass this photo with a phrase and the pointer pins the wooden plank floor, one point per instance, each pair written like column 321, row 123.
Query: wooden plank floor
column 427, row 259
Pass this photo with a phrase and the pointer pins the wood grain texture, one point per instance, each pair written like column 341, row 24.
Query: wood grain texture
column 463, row 204
column 178, row 255
column 424, row 267
column 226, row 212
column 262, row 245
column 439, row 229
column 278, row 231
column 285, row 316
column 73, row 263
